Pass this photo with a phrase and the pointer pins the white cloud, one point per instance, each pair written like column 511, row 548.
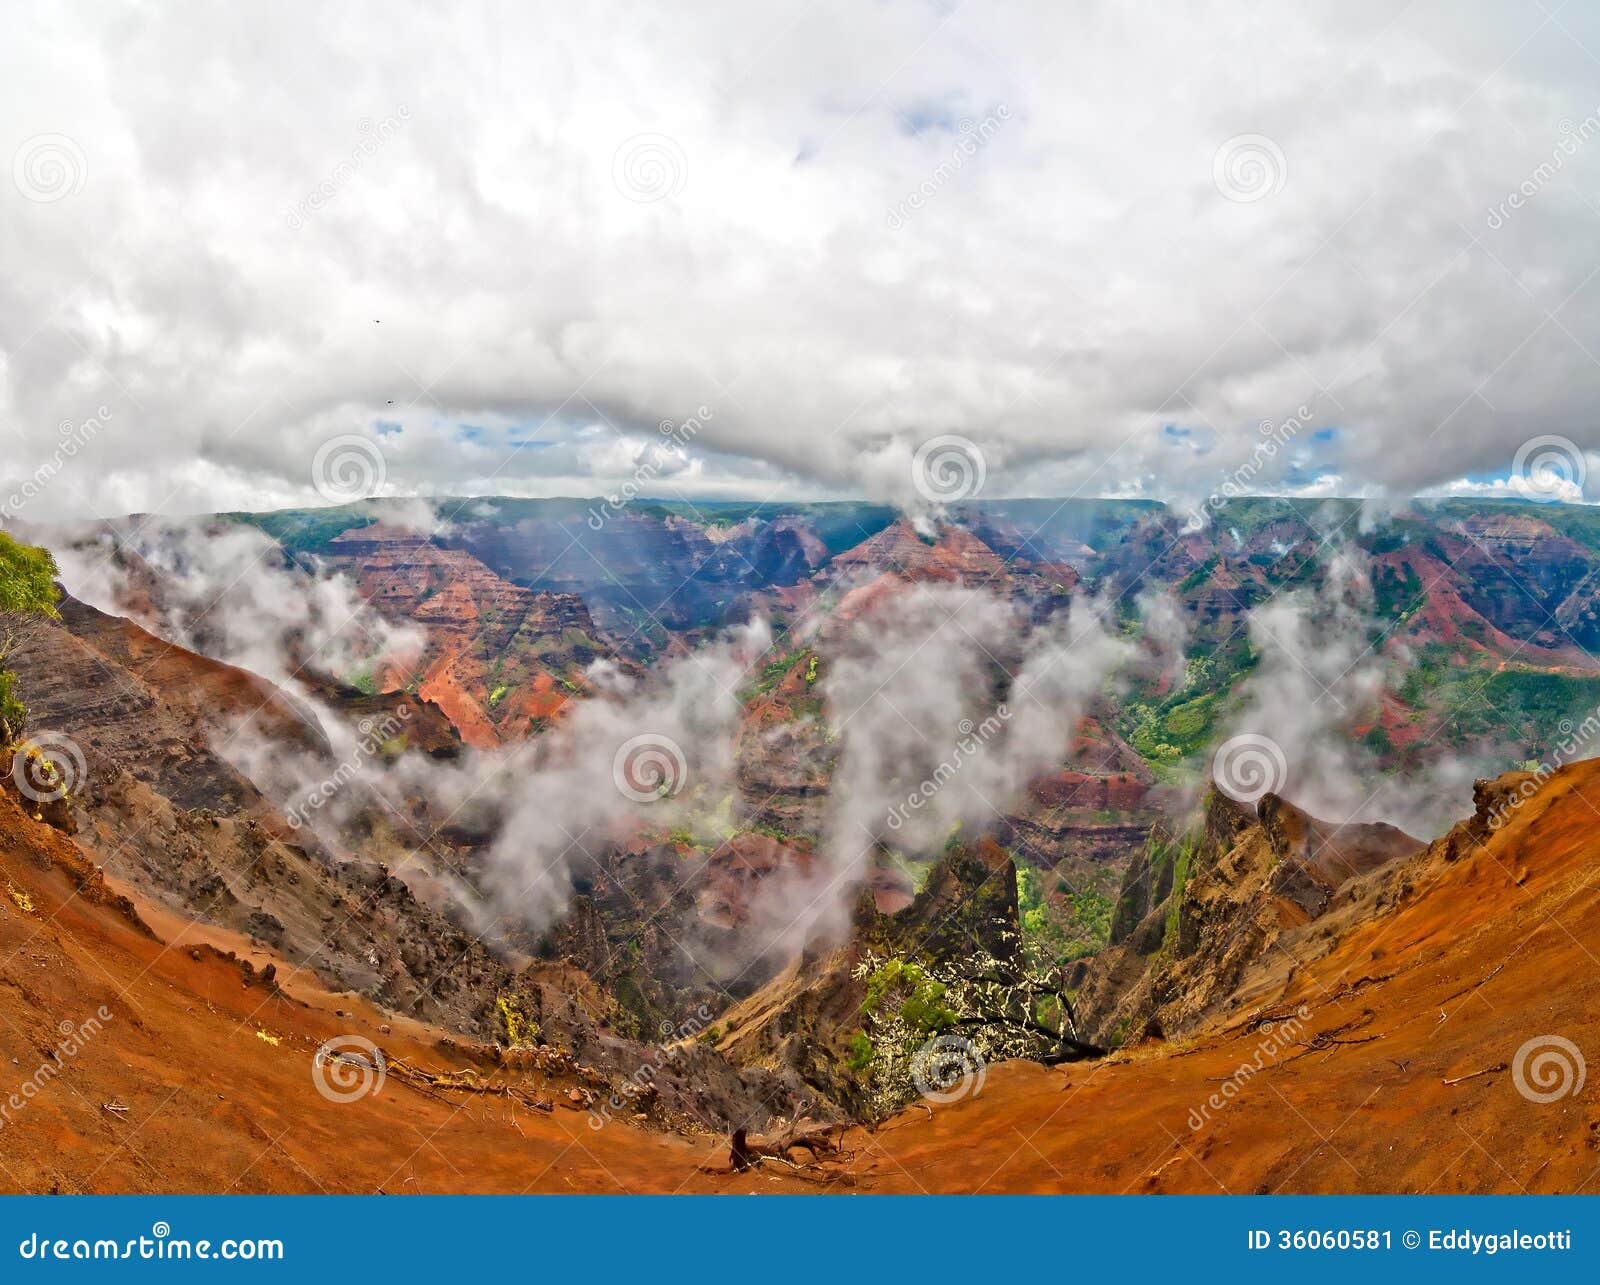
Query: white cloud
column 291, row 226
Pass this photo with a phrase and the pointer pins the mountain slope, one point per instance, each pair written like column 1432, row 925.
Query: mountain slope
column 1389, row 1064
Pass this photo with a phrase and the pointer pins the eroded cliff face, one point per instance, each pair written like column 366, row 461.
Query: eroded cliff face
column 207, row 856
column 500, row 660
column 669, row 928
column 169, row 815
column 866, row 1022
column 1207, row 920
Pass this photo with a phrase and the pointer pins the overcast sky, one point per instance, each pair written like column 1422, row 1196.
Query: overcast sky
column 1103, row 243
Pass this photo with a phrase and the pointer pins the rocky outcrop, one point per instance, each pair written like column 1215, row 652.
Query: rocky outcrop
column 1197, row 912
column 953, row 956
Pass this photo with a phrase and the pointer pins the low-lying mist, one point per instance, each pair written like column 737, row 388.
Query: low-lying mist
column 936, row 707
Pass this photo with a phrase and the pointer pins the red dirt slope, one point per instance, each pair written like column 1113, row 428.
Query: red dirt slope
column 1397, row 1078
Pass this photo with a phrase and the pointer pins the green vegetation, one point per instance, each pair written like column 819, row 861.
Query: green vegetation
column 302, row 531
column 1057, row 931
column 912, row 994
column 916, row 872
column 775, row 832
column 1198, row 576
column 773, row 673
column 27, row 584
column 13, row 714
column 1397, row 594
column 1541, row 700
column 27, row 578
column 1180, row 857
column 1167, row 730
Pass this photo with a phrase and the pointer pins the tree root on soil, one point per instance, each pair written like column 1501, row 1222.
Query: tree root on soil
column 466, row 1080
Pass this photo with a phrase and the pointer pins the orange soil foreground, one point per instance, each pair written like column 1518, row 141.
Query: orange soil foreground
column 1398, row 1081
